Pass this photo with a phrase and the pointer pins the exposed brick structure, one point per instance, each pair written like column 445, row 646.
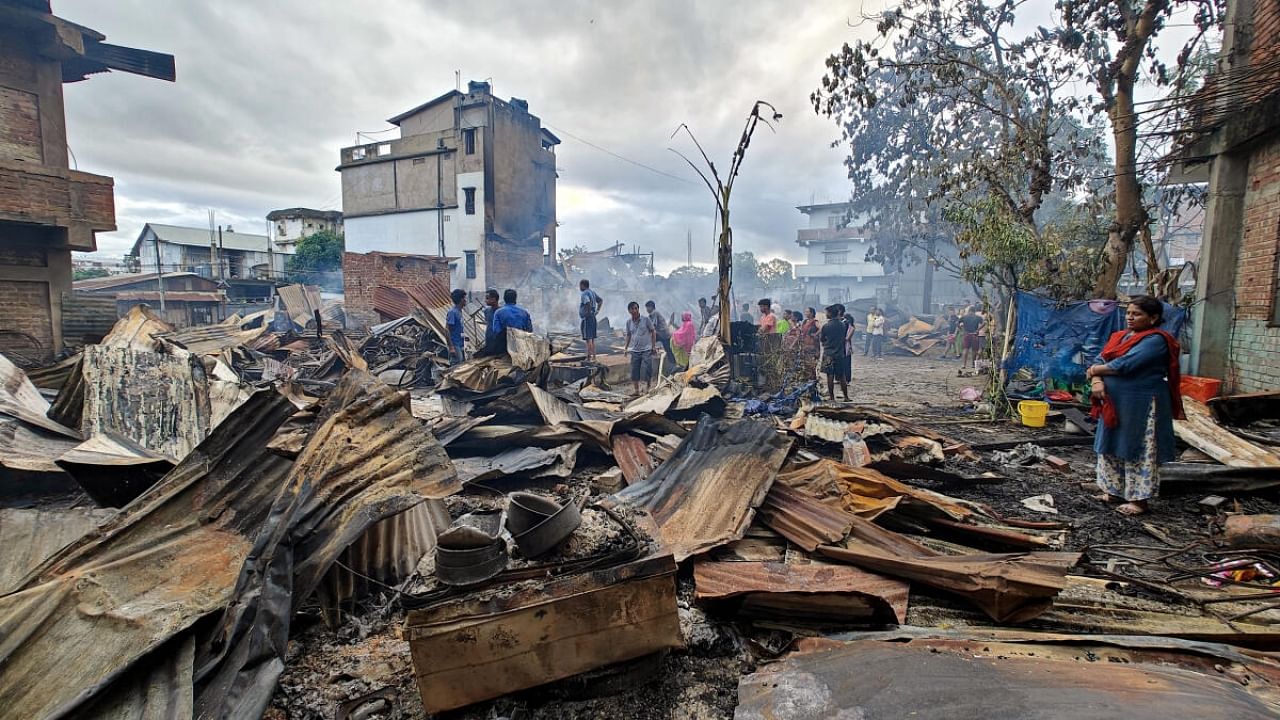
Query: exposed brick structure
column 362, row 273
column 47, row 210
column 1237, row 322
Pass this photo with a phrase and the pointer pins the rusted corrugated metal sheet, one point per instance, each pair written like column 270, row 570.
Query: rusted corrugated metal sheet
column 234, row 531
column 868, row 493
column 1011, row 587
column 951, row 679
column 26, row 449
column 151, row 572
column 722, row 580
column 386, row 553
column 632, row 455
column 392, row 303
column 19, row 398
column 113, row 471
column 29, row 537
column 535, row 462
column 707, row 493
column 139, row 329
column 301, row 302
column 211, row 339
column 802, row 519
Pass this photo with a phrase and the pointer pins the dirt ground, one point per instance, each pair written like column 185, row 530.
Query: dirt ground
column 327, row 668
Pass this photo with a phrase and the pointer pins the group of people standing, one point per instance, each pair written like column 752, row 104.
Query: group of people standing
column 498, row 318
column 966, row 332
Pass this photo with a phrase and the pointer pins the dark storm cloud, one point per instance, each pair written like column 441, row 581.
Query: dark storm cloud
column 267, row 93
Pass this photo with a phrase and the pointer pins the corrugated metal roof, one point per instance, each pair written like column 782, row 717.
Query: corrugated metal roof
column 706, row 494
column 173, row 296
column 802, row 519
column 199, row 237
column 31, row 536
column 106, row 283
column 1075, row 678
column 722, row 580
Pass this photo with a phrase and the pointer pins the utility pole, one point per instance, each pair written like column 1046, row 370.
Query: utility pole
column 213, row 247
column 159, row 273
column 222, row 273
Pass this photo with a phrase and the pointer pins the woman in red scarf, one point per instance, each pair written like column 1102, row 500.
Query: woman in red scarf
column 1135, row 396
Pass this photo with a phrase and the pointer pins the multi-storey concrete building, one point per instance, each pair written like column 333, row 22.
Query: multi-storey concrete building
column 47, row 209
column 471, row 177
column 837, row 269
column 293, row 224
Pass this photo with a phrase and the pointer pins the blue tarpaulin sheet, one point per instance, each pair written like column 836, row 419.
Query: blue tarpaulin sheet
column 1058, row 341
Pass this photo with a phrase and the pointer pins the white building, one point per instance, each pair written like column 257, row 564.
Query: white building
column 293, row 224
column 239, row 256
column 837, row 270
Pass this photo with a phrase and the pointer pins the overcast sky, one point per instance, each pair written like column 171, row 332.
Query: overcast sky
column 267, row 94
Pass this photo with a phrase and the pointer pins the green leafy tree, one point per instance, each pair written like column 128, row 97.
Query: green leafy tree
column 317, row 260
column 776, row 274
column 690, row 272
column 1115, row 46
column 89, row 273
column 746, row 269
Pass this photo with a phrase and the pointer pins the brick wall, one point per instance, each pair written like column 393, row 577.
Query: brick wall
column 1254, row 363
column 20, row 126
column 24, row 309
column 507, row 263
column 363, row 272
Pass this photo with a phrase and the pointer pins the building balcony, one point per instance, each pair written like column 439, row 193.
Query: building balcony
column 80, row 202
column 842, row 270
column 809, row 235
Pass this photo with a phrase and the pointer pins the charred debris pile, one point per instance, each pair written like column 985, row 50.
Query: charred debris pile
column 197, row 522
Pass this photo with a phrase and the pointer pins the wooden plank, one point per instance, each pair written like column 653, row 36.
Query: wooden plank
column 1200, row 431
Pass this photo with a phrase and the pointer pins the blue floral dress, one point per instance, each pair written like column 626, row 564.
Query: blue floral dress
column 1130, row 454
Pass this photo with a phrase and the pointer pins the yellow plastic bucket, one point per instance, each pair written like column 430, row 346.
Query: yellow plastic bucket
column 1033, row 412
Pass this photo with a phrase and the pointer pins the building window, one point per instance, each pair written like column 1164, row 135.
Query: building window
column 419, row 161
column 469, row 141
column 471, row 264
column 835, row 295
column 835, row 258
column 833, row 221
column 470, row 194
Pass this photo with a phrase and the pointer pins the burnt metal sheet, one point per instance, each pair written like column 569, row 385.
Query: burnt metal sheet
column 159, row 401
column 139, row 329
column 53, row 376
column 557, row 461
column 386, row 553
column 707, row 493
column 301, row 302
column 30, row 536
column 723, row 580
column 234, row 532
column 554, row 410
column 149, row 573
column 802, row 519
column 527, row 350
column 113, row 471
column 1009, row 587
column 19, row 398
column 213, row 339
column 391, row 302
column 954, row 679
column 29, row 449
column 632, row 456
column 868, row 493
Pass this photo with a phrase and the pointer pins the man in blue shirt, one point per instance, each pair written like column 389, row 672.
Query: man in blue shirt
column 510, row 315
column 453, row 322
column 589, row 304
